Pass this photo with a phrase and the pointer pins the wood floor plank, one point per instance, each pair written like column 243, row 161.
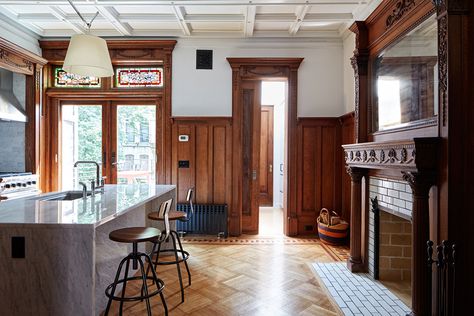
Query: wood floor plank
column 273, row 279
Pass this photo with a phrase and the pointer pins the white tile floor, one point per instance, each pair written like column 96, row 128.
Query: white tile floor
column 358, row 294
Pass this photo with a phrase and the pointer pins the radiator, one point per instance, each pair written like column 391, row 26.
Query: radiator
column 208, row 219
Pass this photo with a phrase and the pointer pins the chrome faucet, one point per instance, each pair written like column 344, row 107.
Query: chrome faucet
column 84, row 190
column 98, row 183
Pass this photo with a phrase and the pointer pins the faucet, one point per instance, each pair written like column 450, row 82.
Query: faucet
column 98, row 183
column 84, row 190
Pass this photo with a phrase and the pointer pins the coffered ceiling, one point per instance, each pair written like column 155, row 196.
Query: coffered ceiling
column 190, row 18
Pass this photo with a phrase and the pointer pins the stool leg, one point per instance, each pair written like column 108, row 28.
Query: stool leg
column 150, row 266
column 185, row 261
column 178, row 267
column 145, row 286
column 158, row 284
column 157, row 254
column 127, row 265
column 117, row 275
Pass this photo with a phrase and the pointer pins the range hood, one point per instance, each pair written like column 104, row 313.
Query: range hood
column 10, row 107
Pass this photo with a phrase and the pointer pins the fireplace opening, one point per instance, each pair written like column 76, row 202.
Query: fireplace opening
column 390, row 237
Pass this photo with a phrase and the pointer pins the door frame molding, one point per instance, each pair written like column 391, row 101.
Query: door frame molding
column 265, row 69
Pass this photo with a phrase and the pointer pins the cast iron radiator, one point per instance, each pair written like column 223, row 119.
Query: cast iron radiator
column 208, row 219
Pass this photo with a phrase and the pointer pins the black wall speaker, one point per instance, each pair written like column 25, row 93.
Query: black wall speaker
column 203, row 59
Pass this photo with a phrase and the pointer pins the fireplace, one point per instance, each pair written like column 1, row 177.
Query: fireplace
column 390, row 237
column 401, row 200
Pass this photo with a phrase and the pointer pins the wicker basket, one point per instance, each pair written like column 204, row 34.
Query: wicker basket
column 332, row 229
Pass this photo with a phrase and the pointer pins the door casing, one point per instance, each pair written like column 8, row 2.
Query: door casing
column 264, row 69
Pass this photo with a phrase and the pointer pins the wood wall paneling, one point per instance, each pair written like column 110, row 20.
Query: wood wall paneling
column 208, row 153
column 319, row 179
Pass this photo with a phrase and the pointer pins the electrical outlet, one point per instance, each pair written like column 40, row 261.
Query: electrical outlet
column 18, row 247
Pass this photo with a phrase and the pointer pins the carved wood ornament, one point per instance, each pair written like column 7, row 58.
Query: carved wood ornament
column 402, row 7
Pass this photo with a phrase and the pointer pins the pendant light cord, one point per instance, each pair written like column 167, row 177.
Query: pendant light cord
column 82, row 18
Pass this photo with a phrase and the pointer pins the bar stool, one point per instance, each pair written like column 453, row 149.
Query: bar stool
column 135, row 235
column 173, row 216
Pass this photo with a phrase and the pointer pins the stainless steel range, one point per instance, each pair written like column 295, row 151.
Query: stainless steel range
column 17, row 185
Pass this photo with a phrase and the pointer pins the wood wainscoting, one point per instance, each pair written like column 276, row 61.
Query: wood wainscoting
column 208, row 152
column 318, row 176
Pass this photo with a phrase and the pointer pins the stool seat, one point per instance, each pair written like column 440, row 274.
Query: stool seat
column 172, row 216
column 135, row 234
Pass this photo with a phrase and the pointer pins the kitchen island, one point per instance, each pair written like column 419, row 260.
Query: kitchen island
column 56, row 257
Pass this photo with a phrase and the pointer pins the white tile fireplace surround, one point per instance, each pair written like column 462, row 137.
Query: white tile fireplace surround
column 393, row 196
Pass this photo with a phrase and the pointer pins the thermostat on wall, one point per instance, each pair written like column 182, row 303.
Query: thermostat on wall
column 183, row 138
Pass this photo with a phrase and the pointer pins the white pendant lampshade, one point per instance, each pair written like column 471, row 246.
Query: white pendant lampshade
column 88, row 55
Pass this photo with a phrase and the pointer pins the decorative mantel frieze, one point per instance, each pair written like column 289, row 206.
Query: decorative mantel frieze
column 407, row 155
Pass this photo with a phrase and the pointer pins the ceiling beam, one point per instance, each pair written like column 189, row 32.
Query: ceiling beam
column 300, row 15
column 179, row 13
column 14, row 16
column 150, row 17
column 249, row 22
column 59, row 14
column 184, row 2
column 111, row 15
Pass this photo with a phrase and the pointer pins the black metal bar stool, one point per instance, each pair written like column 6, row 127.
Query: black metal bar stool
column 135, row 235
column 173, row 216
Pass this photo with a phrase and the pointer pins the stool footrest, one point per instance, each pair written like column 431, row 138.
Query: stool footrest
column 184, row 256
column 160, row 287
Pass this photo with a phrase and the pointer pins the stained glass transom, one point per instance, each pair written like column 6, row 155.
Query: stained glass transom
column 68, row 80
column 139, row 77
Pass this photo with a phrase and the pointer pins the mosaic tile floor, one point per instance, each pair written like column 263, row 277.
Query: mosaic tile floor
column 358, row 294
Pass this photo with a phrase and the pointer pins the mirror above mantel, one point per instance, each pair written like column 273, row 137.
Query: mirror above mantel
column 405, row 85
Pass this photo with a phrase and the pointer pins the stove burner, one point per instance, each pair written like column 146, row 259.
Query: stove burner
column 18, row 184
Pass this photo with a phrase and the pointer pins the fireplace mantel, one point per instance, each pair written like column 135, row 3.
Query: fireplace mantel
column 416, row 160
column 412, row 155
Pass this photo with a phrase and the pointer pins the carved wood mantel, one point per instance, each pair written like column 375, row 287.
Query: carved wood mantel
column 416, row 159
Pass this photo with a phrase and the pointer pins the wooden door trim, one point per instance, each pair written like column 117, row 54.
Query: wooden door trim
column 260, row 69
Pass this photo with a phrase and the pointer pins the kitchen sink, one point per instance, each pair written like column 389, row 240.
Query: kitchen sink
column 62, row 196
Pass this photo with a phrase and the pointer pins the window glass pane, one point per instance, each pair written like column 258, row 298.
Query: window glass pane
column 144, row 132
column 81, row 140
column 138, row 77
column 64, row 79
column 136, row 159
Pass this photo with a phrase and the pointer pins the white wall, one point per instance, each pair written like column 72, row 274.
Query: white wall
column 348, row 71
column 11, row 32
column 209, row 92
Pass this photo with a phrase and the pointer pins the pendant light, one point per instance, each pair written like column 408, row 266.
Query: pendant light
column 87, row 54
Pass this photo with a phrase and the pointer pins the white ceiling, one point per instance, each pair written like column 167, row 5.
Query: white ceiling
column 191, row 18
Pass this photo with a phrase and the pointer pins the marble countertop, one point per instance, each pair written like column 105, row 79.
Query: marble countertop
column 116, row 200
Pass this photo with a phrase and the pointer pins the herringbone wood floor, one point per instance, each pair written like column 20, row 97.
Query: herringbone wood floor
column 243, row 280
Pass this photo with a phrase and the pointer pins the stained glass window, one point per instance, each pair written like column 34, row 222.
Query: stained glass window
column 67, row 80
column 139, row 77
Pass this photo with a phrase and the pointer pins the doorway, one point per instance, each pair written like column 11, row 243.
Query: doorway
column 272, row 157
column 120, row 137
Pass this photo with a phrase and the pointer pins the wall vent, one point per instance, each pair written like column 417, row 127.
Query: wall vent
column 203, row 59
